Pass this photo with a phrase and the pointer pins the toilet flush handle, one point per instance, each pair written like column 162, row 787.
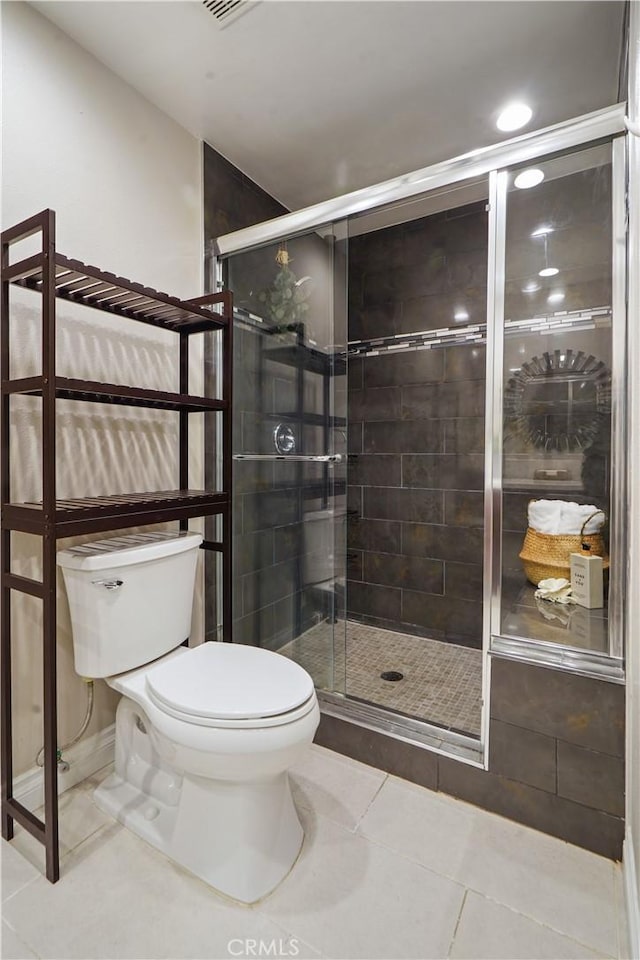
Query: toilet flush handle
column 108, row 584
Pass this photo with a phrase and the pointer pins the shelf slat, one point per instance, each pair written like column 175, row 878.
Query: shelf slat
column 84, row 284
column 94, row 514
column 95, row 392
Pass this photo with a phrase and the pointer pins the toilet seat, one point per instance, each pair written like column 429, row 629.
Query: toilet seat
column 231, row 685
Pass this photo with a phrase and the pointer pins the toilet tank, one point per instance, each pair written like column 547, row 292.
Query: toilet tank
column 324, row 541
column 130, row 599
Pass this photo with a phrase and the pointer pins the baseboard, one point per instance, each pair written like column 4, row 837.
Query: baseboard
column 631, row 895
column 85, row 758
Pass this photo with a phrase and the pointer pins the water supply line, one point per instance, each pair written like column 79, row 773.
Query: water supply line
column 79, row 734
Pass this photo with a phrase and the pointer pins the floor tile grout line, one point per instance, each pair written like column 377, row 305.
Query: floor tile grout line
column 371, row 802
column 458, row 919
column 24, row 885
column 472, row 889
column 541, row 923
column 620, row 912
column 64, row 856
column 401, row 856
column 289, row 933
column 21, row 937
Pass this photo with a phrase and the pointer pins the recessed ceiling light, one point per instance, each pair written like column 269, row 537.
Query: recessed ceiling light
column 531, row 287
column 514, row 116
column 542, row 232
column 460, row 315
column 556, row 297
column 529, row 178
column 548, row 272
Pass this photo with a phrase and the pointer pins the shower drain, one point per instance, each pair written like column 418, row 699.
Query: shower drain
column 391, row 675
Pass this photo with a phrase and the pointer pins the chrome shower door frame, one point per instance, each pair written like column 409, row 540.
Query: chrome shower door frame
column 493, row 161
column 559, row 656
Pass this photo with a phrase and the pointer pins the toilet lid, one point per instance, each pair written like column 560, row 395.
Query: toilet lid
column 229, row 681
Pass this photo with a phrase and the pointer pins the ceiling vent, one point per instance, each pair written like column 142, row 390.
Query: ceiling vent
column 227, row 12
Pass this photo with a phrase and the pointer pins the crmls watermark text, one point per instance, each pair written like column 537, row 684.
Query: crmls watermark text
column 263, row 948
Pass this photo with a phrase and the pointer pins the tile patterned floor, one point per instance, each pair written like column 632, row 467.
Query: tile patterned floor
column 388, row 870
column 442, row 682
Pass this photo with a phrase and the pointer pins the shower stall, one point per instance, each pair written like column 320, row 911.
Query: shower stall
column 413, row 364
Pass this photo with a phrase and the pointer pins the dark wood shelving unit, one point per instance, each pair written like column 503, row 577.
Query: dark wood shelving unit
column 94, row 392
column 54, row 276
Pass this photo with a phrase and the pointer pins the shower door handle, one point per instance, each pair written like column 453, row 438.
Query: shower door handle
column 308, row 458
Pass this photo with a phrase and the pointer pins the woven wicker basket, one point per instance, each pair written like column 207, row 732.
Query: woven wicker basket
column 546, row 555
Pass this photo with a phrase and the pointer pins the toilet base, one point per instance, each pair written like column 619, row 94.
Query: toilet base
column 241, row 838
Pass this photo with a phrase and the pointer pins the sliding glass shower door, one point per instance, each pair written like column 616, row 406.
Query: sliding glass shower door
column 416, row 473
column 289, row 442
column 396, row 406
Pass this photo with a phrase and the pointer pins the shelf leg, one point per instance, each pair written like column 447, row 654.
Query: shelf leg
column 49, row 653
column 184, row 420
column 5, row 667
column 227, row 594
column 6, row 750
column 50, row 709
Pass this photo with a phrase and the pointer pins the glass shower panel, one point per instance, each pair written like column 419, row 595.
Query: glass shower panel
column 416, row 411
column 288, row 438
column 557, row 385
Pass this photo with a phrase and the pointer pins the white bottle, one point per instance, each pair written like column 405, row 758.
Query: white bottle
column 587, row 580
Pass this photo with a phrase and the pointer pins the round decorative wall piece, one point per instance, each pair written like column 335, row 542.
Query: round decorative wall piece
column 558, row 401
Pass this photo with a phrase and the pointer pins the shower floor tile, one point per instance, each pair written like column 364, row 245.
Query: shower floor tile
column 442, row 682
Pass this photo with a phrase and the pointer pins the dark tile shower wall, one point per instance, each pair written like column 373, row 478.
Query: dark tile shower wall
column 416, row 430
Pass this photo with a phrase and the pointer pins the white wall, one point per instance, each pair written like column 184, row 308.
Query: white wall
column 125, row 182
column 632, row 843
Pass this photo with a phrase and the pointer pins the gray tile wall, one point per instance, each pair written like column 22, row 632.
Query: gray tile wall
column 556, row 758
column 416, row 430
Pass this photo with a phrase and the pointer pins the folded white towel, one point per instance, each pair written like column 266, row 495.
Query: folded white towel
column 574, row 515
column 545, row 515
column 558, row 517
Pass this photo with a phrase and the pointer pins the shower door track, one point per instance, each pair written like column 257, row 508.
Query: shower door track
column 588, row 128
column 448, row 742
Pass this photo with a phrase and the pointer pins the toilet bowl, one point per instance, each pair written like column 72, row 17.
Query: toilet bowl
column 204, row 736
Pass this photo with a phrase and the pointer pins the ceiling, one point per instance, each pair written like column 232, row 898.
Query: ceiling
column 314, row 98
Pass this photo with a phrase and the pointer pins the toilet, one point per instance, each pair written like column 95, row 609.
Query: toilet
column 204, row 735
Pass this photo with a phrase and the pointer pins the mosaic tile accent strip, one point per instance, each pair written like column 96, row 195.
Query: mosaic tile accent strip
column 453, row 336
column 442, row 682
